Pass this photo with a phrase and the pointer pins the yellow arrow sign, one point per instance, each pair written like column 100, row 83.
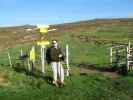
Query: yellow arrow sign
column 43, row 43
column 43, row 28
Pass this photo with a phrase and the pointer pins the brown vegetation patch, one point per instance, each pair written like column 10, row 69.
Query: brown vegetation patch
column 4, row 80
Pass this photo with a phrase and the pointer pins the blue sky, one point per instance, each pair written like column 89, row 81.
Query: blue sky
column 19, row 12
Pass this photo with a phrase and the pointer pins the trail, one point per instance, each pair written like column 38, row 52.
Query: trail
column 92, row 69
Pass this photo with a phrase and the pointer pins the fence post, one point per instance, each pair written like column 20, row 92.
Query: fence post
column 110, row 55
column 28, row 62
column 67, row 59
column 127, row 58
column 129, row 46
column 21, row 52
column 117, row 57
column 9, row 57
column 42, row 60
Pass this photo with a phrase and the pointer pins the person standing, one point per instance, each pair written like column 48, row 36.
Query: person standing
column 54, row 57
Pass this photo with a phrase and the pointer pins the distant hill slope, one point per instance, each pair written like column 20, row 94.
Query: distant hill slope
column 95, row 23
column 10, row 36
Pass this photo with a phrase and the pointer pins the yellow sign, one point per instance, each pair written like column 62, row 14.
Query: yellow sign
column 43, row 28
column 32, row 54
column 43, row 43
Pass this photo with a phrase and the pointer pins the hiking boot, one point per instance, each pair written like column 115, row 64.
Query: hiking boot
column 61, row 83
column 55, row 83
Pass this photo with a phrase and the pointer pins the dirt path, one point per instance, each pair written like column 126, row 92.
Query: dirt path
column 91, row 69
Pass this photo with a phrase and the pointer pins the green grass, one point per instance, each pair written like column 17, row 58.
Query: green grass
column 78, row 87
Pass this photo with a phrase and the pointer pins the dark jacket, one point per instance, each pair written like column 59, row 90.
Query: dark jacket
column 52, row 54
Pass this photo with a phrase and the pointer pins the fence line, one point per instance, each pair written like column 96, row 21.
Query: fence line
column 41, row 57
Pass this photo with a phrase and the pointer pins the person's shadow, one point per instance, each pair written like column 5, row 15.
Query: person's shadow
column 20, row 67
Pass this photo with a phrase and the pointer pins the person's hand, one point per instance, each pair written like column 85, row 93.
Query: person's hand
column 60, row 55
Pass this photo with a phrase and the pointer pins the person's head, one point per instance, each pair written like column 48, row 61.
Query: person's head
column 55, row 43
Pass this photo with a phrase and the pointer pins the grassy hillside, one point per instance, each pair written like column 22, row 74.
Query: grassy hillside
column 89, row 42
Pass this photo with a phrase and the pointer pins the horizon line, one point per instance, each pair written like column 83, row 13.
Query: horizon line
column 67, row 22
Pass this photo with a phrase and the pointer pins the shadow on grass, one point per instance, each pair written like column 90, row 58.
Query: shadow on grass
column 34, row 73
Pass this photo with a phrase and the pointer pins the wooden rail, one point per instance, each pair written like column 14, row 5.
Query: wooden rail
column 120, row 51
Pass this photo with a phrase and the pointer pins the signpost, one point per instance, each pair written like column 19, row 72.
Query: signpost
column 43, row 29
column 43, row 44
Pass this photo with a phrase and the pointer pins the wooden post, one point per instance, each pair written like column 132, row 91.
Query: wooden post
column 129, row 54
column 127, row 58
column 117, row 56
column 9, row 57
column 129, row 46
column 110, row 55
column 29, row 67
column 21, row 52
column 67, row 59
column 43, row 61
